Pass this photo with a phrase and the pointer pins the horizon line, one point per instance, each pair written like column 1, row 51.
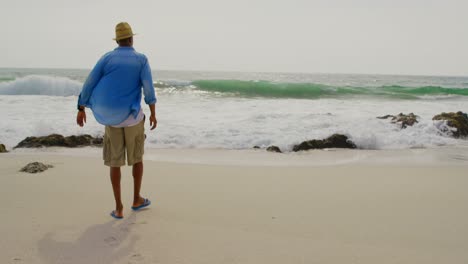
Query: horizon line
column 270, row 72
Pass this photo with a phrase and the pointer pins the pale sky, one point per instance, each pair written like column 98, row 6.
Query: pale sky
column 318, row 36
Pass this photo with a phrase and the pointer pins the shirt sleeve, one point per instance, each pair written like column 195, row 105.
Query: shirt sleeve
column 147, row 83
column 91, row 82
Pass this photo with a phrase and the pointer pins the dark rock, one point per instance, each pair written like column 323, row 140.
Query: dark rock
column 98, row 141
column 47, row 141
column 56, row 140
column 3, row 148
column 35, row 167
column 458, row 120
column 334, row 141
column 402, row 119
column 385, row 116
column 274, row 149
column 256, row 147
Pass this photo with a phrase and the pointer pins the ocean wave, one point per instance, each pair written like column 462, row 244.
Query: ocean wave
column 171, row 84
column 315, row 91
column 41, row 85
column 7, row 79
column 63, row 86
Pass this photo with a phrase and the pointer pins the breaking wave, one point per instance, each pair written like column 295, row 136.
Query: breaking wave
column 41, row 85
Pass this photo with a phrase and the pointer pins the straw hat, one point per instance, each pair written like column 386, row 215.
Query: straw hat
column 123, row 31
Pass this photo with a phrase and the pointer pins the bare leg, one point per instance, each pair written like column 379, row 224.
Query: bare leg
column 115, row 180
column 137, row 179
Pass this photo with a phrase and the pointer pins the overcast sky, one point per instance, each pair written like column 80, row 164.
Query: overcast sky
column 428, row 37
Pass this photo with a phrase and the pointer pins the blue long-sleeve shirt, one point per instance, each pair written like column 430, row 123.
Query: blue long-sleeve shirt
column 113, row 88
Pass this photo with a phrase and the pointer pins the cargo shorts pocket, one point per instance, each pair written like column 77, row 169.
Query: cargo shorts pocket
column 106, row 149
column 139, row 149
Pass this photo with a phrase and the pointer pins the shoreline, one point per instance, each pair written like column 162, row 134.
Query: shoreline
column 260, row 157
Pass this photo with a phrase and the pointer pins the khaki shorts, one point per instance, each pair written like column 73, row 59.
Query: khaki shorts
column 121, row 140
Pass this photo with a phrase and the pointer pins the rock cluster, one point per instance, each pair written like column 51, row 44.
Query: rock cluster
column 274, row 149
column 333, row 141
column 56, row 140
column 458, row 121
column 3, row 148
column 35, row 167
column 402, row 119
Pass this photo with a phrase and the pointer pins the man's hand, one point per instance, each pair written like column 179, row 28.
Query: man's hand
column 81, row 118
column 153, row 121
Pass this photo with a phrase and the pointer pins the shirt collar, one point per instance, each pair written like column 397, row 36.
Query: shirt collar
column 124, row 48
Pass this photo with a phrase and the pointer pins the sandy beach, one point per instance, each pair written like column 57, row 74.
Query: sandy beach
column 208, row 211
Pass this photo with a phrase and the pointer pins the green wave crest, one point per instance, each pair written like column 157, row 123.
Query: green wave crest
column 312, row 90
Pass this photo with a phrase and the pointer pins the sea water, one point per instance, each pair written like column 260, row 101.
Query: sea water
column 232, row 110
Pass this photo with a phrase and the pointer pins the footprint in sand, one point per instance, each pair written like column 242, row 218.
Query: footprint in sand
column 136, row 258
column 112, row 241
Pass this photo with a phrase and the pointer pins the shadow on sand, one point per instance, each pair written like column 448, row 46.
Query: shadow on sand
column 104, row 243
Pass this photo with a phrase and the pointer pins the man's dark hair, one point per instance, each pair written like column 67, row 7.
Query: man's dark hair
column 125, row 42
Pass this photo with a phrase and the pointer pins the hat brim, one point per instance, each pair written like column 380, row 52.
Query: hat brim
column 124, row 37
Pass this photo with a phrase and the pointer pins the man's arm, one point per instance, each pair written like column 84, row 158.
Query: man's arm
column 148, row 91
column 81, row 116
column 153, row 120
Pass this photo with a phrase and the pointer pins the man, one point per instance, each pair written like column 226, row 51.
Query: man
column 113, row 92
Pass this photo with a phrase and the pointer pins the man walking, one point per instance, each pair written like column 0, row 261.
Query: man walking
column 113, row 92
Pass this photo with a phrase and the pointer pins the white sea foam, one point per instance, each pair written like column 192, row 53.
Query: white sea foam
column 41, row 85
column 201, row 121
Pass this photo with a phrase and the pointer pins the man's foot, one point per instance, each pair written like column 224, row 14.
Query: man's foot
column 142, row 203
column 116, row 214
